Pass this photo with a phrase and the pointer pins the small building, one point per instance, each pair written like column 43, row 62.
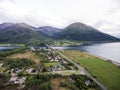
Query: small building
column 34, row 71
column 1, row 63
column 18, row 70
column 43, row 47
column 87, row 82
column 32, row 48
column 17, row 80
column 29, row 70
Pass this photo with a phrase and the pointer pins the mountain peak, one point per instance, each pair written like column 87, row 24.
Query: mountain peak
column 81, row 27
column 6, row 24
column 16, row 25
column 77, row 24
column 83, row 32
column 22, row 24
column 18, row 33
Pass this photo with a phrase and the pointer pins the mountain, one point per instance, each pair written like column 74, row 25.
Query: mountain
column 83, row 32
column 48, row 30
column 24, row 33
column 18, row 33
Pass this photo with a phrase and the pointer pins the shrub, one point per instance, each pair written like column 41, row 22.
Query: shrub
column 14, row 51
column 19, row 63
column 46, row 86
column 63, row 84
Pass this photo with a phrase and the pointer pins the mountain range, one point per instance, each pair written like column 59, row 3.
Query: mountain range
column 24, row 33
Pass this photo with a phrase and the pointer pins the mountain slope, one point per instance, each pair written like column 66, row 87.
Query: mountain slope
column 23, row 33
column 82, row 32
column 18, row 33
column 48, row 30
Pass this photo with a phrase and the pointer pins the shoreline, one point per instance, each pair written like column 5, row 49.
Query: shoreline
column 102, row 58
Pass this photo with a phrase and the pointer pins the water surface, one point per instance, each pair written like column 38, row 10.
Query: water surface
column 6, row 48
column 108, row 50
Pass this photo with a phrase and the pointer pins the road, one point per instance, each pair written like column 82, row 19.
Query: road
column 85, row 71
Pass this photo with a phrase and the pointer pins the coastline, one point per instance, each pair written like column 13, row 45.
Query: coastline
column 74, row 48
column 102, row 58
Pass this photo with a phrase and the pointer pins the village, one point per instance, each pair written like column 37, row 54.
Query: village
column 51, row 62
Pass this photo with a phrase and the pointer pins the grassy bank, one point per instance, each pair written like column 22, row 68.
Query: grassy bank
column 66, row 43
column 9, row 45
column 105, row 72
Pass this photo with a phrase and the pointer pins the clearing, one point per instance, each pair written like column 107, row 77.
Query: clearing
column 27, row 55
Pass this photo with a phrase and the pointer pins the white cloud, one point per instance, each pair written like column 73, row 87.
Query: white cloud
column 60, row 13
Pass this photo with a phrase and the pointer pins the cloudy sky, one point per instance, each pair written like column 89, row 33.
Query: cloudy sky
column 101, row 14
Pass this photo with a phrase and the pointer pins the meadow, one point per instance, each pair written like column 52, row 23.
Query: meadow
column 105, row 72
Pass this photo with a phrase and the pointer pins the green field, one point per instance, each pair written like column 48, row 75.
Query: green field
column 20, row 45
column 105, row 72
column 50, row 64
column 66, row 43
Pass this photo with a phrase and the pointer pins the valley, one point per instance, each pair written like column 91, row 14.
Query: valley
column 34, row 64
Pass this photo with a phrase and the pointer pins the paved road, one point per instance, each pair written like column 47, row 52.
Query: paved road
column 86, row 72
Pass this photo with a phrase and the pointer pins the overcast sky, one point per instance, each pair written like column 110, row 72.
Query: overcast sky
column 101, row 14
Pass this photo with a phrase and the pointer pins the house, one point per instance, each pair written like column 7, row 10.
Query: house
column 72, row 80
column 56, row 60
column 32, row 48
column 87, row 82
column 1, row 72
column 65, row 62
column 17, row 80
column 55, row 68
column 1, row 63
column 29, row 70
column 34, row 71
column 10, row 71
column 42, row 47
column 51, row 60
column 18, row 70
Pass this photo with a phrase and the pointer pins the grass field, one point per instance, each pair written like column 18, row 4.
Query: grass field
column 20, row 45
column 70, row 72
column 66, row 43
column 106, row 72
column 50, row 64
column 27, row 55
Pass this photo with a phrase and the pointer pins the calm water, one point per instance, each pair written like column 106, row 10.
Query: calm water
column 107, row 50
column 6, row 48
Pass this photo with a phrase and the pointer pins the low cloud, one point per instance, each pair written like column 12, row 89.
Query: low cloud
column 101, row 14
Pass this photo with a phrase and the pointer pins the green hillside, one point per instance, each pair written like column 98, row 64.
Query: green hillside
column 82, row 32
